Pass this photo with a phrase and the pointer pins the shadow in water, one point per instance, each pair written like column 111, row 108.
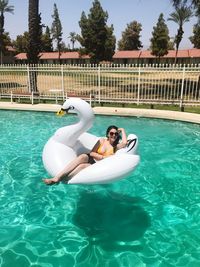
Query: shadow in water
column 112, row 221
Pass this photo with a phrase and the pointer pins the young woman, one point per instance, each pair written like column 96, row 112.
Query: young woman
column 105, row 147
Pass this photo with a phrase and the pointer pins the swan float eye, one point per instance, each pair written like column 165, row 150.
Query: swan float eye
column 67, row 109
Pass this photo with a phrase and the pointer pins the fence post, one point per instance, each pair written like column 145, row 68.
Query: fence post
column 182, row 87
column 62, row 77
column 99, row 82
column 138, row 95
column 29, row 82
column 32, row 98
column 11, row 97
column 90, row 99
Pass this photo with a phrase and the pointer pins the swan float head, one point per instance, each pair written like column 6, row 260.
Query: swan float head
column 68, row 135
column 79, row 106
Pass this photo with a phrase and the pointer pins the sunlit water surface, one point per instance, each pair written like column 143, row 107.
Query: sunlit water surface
column 151, row 218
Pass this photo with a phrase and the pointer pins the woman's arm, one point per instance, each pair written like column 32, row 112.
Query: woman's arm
column 94, row 153
column 124, row 138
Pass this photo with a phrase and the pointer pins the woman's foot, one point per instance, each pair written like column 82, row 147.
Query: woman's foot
column 50, row 181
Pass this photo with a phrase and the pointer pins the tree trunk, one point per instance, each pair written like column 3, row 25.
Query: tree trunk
column 34, row 42
column 1, row 35
column 175, row 59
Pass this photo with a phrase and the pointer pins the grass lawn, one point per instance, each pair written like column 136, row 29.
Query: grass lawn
column 191, row 109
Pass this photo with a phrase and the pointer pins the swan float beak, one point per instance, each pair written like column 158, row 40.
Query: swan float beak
column 63, row 111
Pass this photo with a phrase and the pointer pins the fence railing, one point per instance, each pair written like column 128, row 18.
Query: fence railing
column 162, row 84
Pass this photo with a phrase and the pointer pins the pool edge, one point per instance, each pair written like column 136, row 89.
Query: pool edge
column 132, row 112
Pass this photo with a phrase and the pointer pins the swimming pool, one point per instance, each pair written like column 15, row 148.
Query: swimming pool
column 152, row 218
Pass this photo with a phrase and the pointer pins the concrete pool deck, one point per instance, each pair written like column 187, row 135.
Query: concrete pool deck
column 145, row 113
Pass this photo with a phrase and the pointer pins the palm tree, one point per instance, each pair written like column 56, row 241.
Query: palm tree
column 73, row 38
column 4, row 7
column 34, row 31
column 181, row 15
column 195, row 4
column 34, row 41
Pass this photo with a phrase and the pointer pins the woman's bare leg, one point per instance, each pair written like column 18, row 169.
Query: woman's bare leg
column 78, row 169
column 68, row 169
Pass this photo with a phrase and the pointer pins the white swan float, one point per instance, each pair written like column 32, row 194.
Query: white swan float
column 70, row 141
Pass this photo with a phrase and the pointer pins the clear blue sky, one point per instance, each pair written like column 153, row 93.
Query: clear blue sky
column 121, row 12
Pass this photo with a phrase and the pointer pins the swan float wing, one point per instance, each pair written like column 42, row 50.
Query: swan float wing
column 107, row 170
column 56, row 156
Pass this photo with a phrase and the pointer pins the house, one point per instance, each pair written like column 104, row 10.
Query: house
column 53, row 58
column 127, row 57
column 187, row 56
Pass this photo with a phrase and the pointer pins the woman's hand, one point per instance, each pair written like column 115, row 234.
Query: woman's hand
column 101, row 157
column 96, row 155
column 94, row 152
column 120, row 130
column 124, row 139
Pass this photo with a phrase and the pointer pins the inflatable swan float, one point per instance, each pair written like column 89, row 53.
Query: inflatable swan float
column 70, row 141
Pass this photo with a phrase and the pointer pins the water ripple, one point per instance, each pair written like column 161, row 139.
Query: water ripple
column 150, row 219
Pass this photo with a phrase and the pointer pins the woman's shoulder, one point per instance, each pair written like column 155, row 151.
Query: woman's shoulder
column 102, row 139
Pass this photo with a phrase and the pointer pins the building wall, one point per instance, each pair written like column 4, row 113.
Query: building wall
column 156, row 61
column 120, row 60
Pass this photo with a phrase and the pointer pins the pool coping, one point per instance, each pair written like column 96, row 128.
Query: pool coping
column 134, row 112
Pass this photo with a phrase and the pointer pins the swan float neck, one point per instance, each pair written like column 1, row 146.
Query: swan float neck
column 68, row 135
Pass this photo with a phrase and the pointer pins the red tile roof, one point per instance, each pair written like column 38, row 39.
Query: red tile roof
column 146, row 54
column 49, row 55
column 171, row 54
column 54, row 55
column 73, row 55
column 194, row 52
column 134, row 54
column 183, row 53
column 21, row 56
column 127, row 54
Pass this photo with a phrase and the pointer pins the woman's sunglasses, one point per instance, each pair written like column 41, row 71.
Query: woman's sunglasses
column 113, row 133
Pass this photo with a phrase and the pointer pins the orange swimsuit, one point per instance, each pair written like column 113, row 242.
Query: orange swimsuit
column 105, row 150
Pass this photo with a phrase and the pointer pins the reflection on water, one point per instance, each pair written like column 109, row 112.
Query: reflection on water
column 111, row 222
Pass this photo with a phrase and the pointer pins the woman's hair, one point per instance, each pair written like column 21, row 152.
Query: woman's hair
column 118, row 137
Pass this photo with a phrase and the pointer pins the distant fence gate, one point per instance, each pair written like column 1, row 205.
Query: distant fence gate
column 152, row 84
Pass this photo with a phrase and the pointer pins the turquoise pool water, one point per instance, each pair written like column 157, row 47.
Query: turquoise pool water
column 152, row 218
